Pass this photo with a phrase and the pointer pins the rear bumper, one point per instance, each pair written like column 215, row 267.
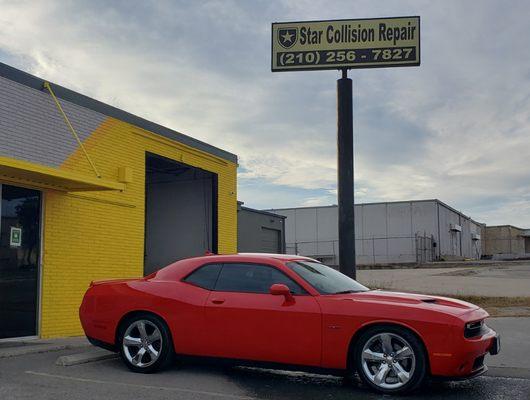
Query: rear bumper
column 97, row 327
column 103, row 345
column 466, row 359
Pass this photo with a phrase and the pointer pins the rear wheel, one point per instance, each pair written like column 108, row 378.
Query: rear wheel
column 145, row 343
column 390, row 359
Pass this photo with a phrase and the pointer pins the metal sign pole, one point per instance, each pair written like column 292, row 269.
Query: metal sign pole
column 345, row 175
column 345, row 44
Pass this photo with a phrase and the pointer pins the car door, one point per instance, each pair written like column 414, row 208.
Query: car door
column 245, row 321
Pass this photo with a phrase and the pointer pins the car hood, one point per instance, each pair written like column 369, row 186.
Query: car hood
column 438, row 303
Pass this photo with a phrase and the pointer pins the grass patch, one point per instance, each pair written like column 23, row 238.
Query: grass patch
column 484, row 301
column 501, row 306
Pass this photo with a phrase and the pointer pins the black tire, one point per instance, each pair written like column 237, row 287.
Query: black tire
column 415, row 380
column 164, row 346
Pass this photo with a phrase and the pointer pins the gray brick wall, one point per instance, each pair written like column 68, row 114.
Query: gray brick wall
column 32, row 129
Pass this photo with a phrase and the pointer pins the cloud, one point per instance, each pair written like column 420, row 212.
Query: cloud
column 455, row 128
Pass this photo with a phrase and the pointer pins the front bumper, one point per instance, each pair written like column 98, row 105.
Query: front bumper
column 474, row 374
column 466, row 359
column 496, row 346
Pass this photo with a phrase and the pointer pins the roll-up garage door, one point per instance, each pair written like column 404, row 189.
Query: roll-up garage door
column 270, row 240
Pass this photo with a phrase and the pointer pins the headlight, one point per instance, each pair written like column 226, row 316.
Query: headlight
column 473, row 329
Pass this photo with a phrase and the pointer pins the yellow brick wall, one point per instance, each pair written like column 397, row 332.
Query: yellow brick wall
column 99, row 235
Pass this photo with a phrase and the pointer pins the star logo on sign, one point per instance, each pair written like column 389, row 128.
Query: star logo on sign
column 287, row 37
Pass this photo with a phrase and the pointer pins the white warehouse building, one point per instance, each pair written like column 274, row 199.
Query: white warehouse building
column 385, row 233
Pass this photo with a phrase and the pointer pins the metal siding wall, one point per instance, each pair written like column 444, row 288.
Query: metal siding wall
column 290, row 225
column 450, row 241
column 327, row 233
column 32, row 129
column 327, row 223
column 401, row 243
column 374, row 226
column 249, row 230
column 424, row 218
column 385, row 232
column 476, row 245
column 466, row 237
column 306, row 230
column 360, row 254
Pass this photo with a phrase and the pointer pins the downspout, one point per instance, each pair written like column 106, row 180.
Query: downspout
column 284, row 246
column 460, row 233
column 439, row 232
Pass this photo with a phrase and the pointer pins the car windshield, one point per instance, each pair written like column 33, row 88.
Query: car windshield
column 325, row 279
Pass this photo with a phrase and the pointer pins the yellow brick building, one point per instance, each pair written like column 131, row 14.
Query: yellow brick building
column 132, row 198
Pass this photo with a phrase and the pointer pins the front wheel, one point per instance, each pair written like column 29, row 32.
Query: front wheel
column 145, row 343
column 390, row 359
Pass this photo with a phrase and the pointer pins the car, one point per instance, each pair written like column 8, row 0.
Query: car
column 286, row 312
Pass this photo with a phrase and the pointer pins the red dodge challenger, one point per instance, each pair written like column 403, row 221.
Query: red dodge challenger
column 286, row 311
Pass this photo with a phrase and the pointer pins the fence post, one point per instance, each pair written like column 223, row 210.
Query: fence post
column 416, row 248
column 373, row 249
column 432, row 248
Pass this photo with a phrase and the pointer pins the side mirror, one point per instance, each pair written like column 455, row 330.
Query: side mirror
column 279, row 289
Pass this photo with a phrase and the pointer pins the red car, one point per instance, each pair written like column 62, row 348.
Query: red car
column 286, row 311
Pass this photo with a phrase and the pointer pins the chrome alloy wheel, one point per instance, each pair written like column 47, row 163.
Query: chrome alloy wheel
column 388, row 360
column 142, row 343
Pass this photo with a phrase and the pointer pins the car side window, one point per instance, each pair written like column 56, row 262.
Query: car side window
column 253, row 278
column 205, row 276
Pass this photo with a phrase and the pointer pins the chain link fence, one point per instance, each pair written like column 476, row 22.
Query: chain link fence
column 420, row 248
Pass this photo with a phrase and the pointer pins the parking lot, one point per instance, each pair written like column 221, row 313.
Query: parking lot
column 37, row 377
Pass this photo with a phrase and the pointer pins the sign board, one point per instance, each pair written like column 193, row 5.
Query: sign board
column 351, row 43
column 15, row 237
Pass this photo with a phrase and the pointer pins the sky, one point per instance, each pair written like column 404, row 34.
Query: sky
column 456, row 128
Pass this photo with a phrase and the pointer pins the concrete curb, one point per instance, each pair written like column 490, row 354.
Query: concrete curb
column 445, row 264
column 86, row 357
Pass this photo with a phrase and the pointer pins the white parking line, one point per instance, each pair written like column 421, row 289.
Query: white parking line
column 167, row 388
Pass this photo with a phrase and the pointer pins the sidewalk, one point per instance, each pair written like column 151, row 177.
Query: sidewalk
column 31, row 346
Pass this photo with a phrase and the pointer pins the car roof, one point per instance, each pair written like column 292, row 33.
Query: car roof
column 287, row 257
column 180, row 268
column 253, row 257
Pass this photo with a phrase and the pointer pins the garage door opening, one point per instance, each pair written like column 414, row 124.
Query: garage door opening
column 180, row 212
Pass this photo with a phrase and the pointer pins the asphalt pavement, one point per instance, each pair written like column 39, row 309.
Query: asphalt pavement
column 37, row 377
column 515, row 342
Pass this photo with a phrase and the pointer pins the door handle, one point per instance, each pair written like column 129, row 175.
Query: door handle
column 218, row 301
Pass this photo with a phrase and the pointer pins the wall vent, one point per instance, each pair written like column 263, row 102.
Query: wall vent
column 455, row 228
